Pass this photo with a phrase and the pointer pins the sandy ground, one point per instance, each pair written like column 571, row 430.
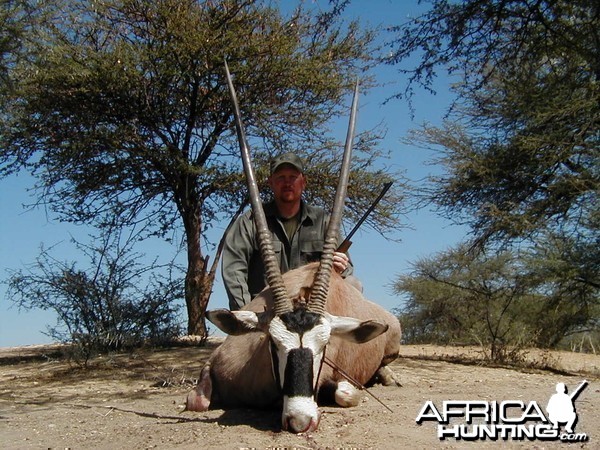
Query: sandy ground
column 134, row 401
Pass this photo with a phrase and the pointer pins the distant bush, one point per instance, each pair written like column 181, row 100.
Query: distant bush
column 116, row 303
column 503, row 301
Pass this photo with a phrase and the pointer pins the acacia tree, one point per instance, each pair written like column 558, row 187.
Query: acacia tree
column 520, row 149
column 122, row 105
column 459, row 297
column 522, row 152
column 566, row 270
column 500, row 300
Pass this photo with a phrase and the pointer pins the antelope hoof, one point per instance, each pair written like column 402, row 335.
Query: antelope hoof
column 346, row 394
column 387, row 377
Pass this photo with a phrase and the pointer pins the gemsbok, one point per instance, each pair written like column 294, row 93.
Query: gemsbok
column 276, row 345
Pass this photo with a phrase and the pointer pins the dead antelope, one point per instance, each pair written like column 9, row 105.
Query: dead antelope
column 276, row 346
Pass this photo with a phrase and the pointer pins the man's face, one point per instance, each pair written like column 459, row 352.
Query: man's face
column 287, row 184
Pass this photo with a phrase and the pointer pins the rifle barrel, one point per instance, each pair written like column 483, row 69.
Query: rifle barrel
column 346, row 244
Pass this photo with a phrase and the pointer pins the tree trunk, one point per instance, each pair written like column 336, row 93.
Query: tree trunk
column 200, row 277
column 198, row 280
column 198, row 287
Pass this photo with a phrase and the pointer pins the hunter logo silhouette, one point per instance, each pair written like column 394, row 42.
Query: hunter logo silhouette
column 518, row 420
column 561, row 406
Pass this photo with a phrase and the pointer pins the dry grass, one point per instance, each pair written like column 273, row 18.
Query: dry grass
column 531, row 359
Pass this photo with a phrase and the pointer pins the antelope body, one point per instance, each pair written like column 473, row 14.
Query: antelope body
column 277, row 343
column 240, row 372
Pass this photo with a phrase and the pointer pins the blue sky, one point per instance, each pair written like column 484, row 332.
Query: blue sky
column 377, row 261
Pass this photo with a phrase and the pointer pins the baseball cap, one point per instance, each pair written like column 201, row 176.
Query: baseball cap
column 287, row 158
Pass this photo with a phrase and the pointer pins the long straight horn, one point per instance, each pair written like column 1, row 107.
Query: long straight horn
column 280, row 296
column 323, row 275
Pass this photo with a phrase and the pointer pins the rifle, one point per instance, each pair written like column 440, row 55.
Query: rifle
column 344, row 246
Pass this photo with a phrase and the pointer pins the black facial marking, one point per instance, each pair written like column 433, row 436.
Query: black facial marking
column 300, row 320
column 275, row 363
column 299, row 373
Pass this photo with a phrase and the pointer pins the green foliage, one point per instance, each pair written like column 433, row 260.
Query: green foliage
column 522, row 154
column 114, row 303
column 566, row 270
column 503, row 301
column 134, row 92
column 122, row 105
column 522, row 169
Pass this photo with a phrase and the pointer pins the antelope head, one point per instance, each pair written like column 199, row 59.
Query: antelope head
column 300, row 332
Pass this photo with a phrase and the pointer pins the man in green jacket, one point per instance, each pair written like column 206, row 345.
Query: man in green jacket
column 297, row 229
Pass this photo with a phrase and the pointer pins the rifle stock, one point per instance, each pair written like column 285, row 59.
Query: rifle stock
column 344, row 246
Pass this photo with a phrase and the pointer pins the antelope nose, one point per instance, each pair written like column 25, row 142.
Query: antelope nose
column 301, row 423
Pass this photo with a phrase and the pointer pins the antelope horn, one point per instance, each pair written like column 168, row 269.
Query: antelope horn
column 323, row 275
column 280, row 296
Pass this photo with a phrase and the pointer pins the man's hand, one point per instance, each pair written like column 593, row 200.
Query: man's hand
column 340, row 261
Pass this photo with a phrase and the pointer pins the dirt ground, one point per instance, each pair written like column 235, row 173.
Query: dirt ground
column 135, row 401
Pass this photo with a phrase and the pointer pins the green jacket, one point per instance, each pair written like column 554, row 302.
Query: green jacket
column 242, row 267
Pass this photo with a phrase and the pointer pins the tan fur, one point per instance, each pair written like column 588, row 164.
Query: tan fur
column 241, row 369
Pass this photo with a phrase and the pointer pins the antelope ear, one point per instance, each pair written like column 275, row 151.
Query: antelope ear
column 237, row 323
column 355, row 330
